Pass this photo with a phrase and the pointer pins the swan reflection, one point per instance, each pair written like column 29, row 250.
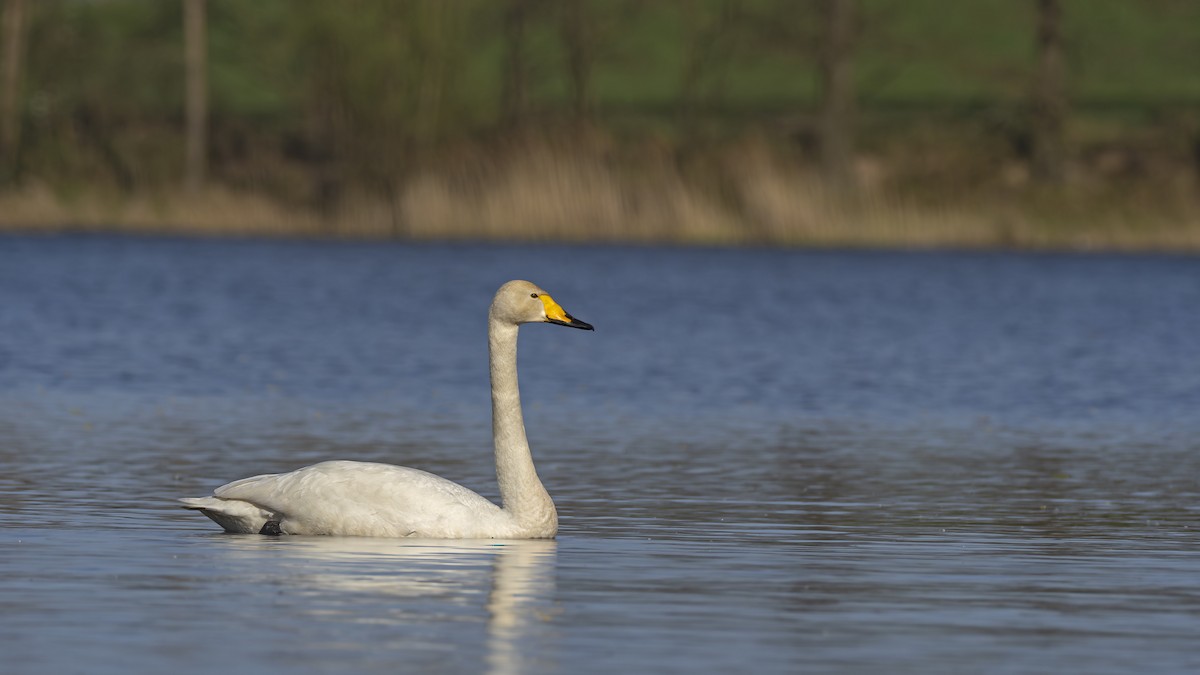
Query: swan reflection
column 508, row 584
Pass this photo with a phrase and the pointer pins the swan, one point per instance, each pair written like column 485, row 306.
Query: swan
column 382, row 500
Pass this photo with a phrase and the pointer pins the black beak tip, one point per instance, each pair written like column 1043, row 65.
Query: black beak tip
column 572, row 322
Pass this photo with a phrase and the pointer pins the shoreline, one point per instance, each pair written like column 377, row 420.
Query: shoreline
column 220, row 212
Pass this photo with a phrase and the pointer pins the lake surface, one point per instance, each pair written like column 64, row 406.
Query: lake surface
column 763, row 461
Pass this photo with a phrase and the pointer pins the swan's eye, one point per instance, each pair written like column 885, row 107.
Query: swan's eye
column 533, row 295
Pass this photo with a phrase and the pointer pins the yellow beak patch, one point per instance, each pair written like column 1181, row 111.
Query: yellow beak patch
column 553, row 311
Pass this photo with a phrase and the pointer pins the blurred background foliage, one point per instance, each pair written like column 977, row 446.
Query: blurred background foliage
column 700, row 120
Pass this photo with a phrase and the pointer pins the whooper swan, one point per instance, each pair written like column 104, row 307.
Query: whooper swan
column 381, row 500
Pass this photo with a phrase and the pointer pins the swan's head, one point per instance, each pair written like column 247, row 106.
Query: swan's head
column 522, row 302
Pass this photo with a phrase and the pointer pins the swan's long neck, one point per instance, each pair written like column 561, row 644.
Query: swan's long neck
column 521, row 490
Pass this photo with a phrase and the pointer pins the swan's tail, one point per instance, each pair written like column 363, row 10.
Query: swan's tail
column 234, row 515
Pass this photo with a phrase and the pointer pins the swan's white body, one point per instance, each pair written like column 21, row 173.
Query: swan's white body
column 380, row 500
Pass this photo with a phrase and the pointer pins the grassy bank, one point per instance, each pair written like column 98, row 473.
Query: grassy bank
column 742, row 193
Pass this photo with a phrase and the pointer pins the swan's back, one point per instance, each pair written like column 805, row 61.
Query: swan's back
column 355, row 499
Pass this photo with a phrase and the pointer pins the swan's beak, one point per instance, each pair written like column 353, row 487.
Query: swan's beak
column 558, row 315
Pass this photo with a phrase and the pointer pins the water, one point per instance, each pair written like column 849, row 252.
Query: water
column 763, row 461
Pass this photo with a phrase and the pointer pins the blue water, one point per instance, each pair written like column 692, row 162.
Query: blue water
column 763, row 460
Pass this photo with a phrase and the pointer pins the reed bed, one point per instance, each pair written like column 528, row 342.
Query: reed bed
column 547, row 192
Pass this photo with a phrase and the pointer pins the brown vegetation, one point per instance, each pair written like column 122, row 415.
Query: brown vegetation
column 743, row 193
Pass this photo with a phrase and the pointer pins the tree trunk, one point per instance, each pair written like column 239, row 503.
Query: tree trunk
column 10, row 87
column 431, row 89
column 577, row 39
column 836, row 104
column 516, row 94
column 703, row 47
column 195, row 38
column 1049, row 107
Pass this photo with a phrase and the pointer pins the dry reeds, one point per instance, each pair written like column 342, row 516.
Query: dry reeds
column 590, row 191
